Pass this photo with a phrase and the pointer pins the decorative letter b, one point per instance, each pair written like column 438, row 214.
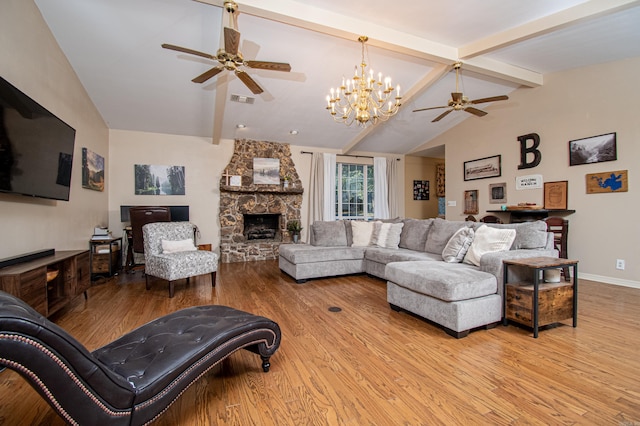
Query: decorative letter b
column 533, row 149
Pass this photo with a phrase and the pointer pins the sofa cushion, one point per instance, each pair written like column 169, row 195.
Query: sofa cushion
column 414, row 234
column 458, row 245
column 329, row 234
column 384, row 256
column 441, row 232
column 304, row 253
column 362, row 233
column 444, row 281
column 529, row 235
column 387, row 235
column 489, row 240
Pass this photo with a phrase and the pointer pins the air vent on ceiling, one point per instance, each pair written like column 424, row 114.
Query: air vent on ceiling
column 242, row 99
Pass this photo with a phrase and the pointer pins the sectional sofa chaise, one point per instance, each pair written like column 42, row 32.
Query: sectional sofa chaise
column 448, row 272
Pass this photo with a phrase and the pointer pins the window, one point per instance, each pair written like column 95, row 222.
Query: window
column 354, row 191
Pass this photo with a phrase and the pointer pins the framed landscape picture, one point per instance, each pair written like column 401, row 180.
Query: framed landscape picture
column 483, row 168
column 595, row 149
column 158, row 180
column 92, row 170
column 266, row 171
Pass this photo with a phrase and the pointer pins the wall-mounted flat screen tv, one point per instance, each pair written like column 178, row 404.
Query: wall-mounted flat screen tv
column 36, row 147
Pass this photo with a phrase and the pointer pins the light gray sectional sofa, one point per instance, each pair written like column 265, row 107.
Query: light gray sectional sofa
column 448, row 272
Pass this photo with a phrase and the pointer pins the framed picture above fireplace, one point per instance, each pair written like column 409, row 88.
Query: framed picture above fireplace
column 266, row 171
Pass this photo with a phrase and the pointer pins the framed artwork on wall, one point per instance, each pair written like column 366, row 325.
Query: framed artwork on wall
column 421, row 190
column 92, row 170
column 483, row 168
column 498, row 193
column 159, row 180
column 607, row 182
column 440, row 180
column 471, row 201
column 595, row 149
column 266, row 171
column 555, row 195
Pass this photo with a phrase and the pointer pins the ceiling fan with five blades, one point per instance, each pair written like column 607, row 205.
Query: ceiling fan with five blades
column 230, row 58
column 460, row 102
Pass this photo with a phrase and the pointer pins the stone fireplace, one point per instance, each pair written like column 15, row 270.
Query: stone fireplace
column 253, row 217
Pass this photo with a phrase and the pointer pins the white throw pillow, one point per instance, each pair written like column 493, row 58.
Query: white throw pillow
column 458, row 245
column 489, row 240
column 169, row 246
column 362, row 233
column 387, row 235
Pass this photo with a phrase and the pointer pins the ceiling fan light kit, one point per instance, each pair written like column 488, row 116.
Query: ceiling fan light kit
column 460, row 102
column 230, row 58
column 363, row 99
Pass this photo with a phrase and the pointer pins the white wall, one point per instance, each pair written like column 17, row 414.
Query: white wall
column 570, row 105
column 31, row 60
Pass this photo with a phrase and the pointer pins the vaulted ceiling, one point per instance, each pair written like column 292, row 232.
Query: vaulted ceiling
column 115, row 48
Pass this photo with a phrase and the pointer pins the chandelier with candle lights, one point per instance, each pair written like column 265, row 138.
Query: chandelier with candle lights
column 363, row 99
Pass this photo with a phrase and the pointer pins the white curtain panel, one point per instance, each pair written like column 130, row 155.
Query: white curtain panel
column 316, row 191
column 393, row 185
column 380, row 188
column 329, row 202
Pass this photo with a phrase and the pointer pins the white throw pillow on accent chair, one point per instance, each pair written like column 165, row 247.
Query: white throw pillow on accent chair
column 177, row 246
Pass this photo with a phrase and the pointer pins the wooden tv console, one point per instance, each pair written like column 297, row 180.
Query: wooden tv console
column 50, row 282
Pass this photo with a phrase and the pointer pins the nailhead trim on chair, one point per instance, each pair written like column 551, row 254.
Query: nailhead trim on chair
column 66, row 369
column 202, row 360
column 135, row 378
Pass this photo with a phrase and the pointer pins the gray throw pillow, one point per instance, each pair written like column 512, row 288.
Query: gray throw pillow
column 349, row 229
column 414, row 234
column 441, row 232
column 329, row 234
column 458, row 245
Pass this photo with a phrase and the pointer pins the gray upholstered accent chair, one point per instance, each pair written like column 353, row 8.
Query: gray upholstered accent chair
column 173, row 262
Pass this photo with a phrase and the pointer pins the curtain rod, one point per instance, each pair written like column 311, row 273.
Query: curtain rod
column 346, row 155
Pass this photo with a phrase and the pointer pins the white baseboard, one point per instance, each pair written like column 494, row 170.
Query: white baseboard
column 610, row 280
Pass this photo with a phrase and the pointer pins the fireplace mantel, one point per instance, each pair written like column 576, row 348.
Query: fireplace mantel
column 252, row 190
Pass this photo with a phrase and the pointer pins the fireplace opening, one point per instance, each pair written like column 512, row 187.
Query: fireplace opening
column 261, row 226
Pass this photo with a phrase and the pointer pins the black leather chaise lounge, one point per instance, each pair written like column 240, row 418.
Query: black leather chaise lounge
column 132, row 380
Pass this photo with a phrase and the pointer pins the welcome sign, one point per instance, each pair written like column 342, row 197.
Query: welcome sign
column 529, row 182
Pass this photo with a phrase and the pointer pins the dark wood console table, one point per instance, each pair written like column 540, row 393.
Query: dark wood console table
column 516, row 216
column 49, row 283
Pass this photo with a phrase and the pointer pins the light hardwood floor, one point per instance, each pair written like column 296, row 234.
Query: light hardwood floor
column 369, row 365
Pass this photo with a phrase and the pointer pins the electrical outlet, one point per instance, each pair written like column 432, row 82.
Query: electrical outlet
column 620, row 264
column 451, row 203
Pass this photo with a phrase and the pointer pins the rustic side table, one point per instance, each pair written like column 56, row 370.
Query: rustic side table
column 537, row 303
